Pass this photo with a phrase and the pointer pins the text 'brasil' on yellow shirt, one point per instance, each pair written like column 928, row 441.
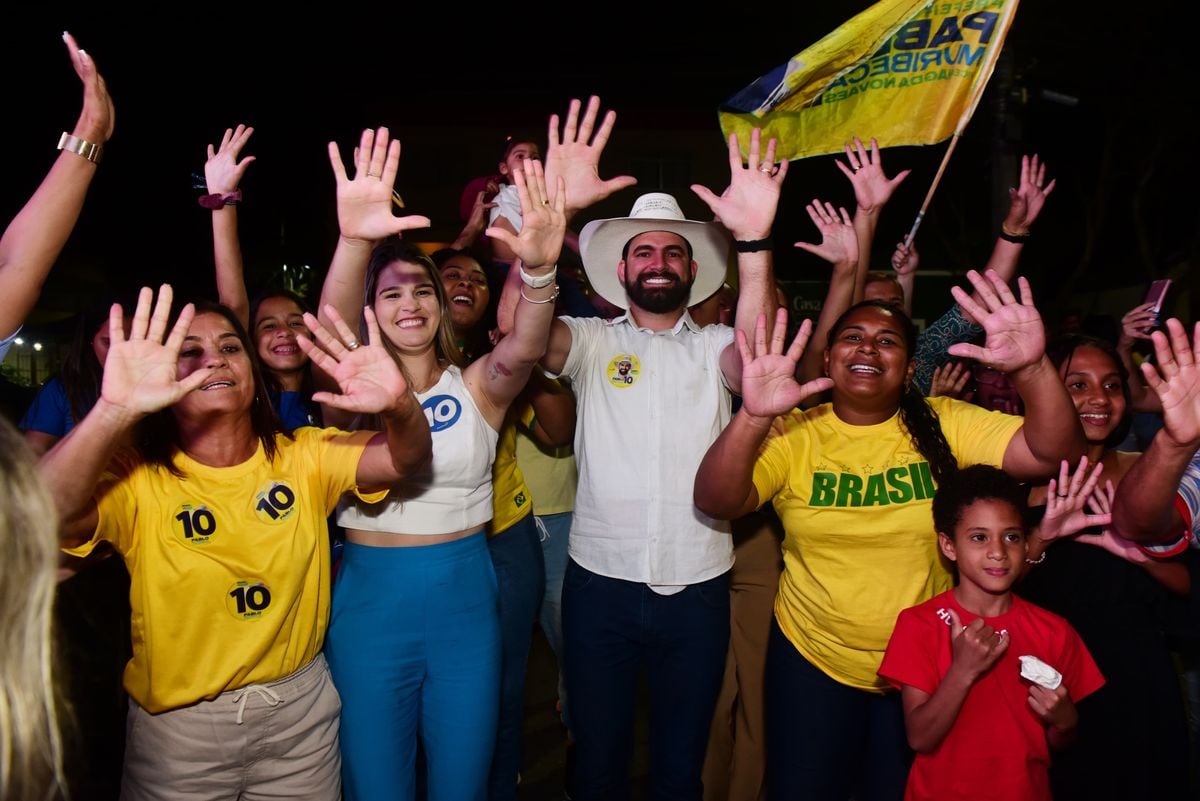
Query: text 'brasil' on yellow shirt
column 859, row 542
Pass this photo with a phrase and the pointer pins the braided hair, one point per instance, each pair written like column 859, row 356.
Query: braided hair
column 916, row 415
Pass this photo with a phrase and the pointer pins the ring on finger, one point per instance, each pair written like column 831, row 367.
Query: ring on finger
column 372, row 175
column 352, row 345
column 766, row 167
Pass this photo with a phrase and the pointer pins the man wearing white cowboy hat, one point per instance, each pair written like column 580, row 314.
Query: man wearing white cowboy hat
column 647, row 584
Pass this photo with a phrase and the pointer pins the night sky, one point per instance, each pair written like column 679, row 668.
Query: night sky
column 451, row 88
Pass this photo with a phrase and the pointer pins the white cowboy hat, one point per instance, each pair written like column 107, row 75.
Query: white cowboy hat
column 601, row 243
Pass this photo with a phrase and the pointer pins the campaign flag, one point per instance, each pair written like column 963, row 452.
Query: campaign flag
column 909, row 72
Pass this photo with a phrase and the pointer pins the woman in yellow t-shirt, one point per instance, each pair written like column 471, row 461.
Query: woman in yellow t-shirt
column 221, row 519
column 852, row 481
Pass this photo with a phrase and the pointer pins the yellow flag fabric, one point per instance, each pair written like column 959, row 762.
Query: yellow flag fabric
column 909, row 72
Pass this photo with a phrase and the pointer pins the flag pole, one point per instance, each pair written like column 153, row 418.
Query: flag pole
column 981, row 80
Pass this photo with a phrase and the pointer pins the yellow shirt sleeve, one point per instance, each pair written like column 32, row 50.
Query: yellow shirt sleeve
column 338, row 453
column 115, row 506
column 774, row 464
column 976, row 435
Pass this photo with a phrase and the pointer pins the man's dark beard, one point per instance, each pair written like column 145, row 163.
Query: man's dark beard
column 660, row 299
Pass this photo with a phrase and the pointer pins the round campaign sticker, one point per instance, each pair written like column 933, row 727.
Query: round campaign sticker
column 275, row 502
column 623, row 370
column 194, row 524
column 442, row 411
column 248, row 600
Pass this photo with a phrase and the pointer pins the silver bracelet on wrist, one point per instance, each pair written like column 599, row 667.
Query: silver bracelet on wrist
column 81, row 147
column 550, row 299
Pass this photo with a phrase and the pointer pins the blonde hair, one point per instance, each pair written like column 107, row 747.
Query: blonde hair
column 30, row 744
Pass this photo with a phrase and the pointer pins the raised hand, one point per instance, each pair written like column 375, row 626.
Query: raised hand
column 1026, row 199
column 543, row 218
column 1015, row 335
column 1176, row 381
column 950, row 381
column 905, row 259
column 839, row 244
column 1068, row 495
column 223, row 172
column 975, row 647
column 140, row 372
column 368, row 376
column 1137, row 323
column 97, row 118
column 747, row 206
column 574, row 157
column 769, row 386
column 364, row 202
column 479, row 212
column 872, row 188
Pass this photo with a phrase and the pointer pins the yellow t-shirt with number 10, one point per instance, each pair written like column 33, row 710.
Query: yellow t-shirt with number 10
column 859, row 545
column 229, row 565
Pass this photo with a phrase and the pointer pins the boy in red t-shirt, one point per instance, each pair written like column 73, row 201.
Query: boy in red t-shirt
column 981, row 729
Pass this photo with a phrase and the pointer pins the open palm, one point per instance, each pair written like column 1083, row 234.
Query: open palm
column 575, row 155
column 1076, row 501
column 1176, row 380
column 747, row 206
column 140, row 372
column 1028, row 197
column 872, row 187
column 223, row 172
column 1016, row 337
column 543, row 218
column 769, row 386
column 839, row 243
column 364, row 203
column 368, row 377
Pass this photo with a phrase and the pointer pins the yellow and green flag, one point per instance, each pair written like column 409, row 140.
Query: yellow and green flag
column 909, row 72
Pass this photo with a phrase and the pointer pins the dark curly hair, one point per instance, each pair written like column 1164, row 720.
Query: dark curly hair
column 979, row 482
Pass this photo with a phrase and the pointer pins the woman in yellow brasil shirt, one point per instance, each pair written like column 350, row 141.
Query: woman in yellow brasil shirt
column 853, row 481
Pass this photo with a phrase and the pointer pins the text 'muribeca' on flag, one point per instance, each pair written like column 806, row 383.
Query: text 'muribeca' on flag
column 908, row 72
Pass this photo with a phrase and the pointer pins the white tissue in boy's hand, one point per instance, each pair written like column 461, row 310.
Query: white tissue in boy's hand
column 1039, row 672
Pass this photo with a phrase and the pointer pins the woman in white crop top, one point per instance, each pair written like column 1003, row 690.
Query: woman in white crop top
column 414, row 639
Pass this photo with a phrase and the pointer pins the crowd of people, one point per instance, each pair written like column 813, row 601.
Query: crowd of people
column 868, row 562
